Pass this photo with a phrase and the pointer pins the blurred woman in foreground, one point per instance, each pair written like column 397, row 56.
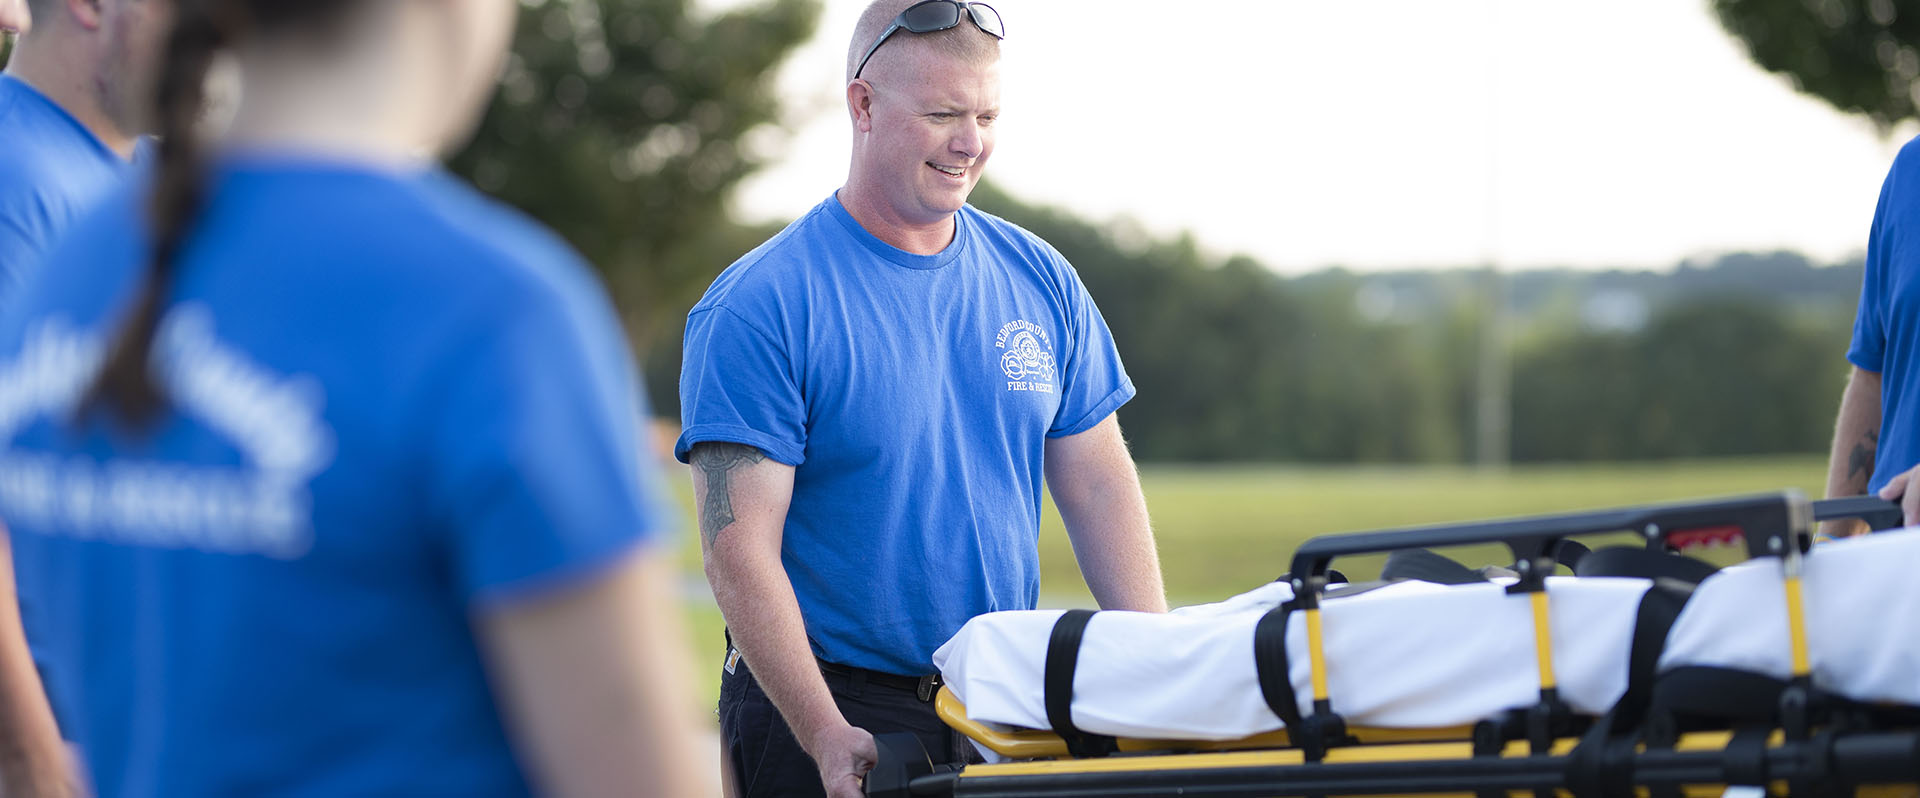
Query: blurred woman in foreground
column 327, row 469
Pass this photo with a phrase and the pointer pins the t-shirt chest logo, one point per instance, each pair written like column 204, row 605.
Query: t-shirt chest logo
column 1026, row 356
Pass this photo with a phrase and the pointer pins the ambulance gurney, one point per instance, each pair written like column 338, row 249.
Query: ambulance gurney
column 1591, row 684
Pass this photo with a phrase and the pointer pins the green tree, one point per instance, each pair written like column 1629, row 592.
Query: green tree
column 620, row 124
column 1860, row 56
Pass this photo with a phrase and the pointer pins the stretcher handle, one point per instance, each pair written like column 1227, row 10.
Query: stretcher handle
column 1877, row 512
column 1771, row 524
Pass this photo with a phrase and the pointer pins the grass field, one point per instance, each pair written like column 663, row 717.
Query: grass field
column 1224, row 530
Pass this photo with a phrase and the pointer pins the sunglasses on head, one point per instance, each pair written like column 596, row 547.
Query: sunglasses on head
column 938, row 15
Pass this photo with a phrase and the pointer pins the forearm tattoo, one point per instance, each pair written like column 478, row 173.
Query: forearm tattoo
column 1861, row 461
column 718, row 460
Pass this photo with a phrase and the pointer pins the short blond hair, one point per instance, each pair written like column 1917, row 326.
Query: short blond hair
column 961, row 41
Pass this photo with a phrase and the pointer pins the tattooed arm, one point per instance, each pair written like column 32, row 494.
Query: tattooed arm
column 742, row 498
column 1856, row 437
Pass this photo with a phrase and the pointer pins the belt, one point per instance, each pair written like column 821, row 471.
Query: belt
column 922, row 687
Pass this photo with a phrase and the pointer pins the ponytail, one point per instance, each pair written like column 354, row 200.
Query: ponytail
column 126, row 384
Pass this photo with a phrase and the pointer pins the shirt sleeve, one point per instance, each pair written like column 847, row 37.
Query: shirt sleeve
column 1093, row 382
column 737, row 384
column 539, row 453
column 1868, row 348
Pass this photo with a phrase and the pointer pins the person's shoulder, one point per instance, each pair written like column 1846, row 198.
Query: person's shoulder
column 41, row 140
column 774, row 266
column 468, row 242
column 88, row 268
column 1907, row 160
column 36, row 159
column 1909, row 152
column 1009, row 239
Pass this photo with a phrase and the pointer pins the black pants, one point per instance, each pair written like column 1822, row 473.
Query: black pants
column 768, row 761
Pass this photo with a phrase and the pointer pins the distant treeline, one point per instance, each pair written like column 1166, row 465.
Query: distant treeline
column 1741, row 355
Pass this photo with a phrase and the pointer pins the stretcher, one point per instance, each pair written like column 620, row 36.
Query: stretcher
column 1645, row 673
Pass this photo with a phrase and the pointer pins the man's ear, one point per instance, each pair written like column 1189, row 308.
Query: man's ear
column 860, row 104
column 85, row 12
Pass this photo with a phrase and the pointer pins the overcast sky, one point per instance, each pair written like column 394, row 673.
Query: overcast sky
column 1390, row 133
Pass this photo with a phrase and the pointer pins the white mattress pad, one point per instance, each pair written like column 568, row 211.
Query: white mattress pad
column 1421, row 655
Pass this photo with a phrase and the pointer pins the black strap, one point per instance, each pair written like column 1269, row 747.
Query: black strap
column 1659, row 607
column 1570, row 552
column 1746, row 756
column 1063, row 657
column 1701, row 696
column 1489, row 740
column 1270, row 665
column 1631, row 561
column 1601, row 766
column 1426, row 566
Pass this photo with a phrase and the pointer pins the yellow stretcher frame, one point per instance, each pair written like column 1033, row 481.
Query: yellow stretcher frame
column 1043, row 744
column 1403, row 753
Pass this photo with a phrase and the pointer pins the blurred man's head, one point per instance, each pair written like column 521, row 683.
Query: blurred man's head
column 923, row 107
column 97, row 59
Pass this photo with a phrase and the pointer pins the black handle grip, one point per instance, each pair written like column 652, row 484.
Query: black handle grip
column 1877, row 512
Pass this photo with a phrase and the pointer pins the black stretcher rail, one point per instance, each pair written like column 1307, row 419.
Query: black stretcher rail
column 1769, row 524
column 1861, row 759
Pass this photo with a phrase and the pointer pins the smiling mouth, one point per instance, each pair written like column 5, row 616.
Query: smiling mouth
column 947, row 170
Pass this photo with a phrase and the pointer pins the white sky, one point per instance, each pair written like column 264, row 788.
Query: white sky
column 1390, row 133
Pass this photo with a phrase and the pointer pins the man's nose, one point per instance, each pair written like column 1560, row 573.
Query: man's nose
column 967, row 140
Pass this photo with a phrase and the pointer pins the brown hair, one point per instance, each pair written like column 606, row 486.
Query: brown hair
column 201, row 30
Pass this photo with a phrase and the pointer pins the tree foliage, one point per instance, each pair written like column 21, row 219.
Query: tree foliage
column 1233, row 362
column 1860, row 56
column 620, row 123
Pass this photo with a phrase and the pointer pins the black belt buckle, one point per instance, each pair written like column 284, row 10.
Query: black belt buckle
column 929, row 685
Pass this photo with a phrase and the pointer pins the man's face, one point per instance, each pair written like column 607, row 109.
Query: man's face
column 133, row 38
column 932, row 132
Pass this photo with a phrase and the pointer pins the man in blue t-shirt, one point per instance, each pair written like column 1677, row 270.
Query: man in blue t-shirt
column 1876, row 441
column 870, row 403
column 73, row 102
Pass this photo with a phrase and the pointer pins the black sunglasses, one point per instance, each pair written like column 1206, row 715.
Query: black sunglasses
column 938, row 15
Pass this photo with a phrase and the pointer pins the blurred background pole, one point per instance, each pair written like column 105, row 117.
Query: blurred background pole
column 1493, row 406
column 1493, row 389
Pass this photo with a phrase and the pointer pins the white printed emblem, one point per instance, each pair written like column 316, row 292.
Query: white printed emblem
column 260, row 507
column 1027, row 356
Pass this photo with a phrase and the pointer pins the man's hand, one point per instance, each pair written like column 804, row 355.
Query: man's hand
column 14, row 16
column 844, row 753
column 1903, row 490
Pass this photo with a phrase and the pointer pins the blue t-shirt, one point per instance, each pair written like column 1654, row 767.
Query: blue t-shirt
column 913, row 394
column 1886, row 328
column 52, row 169
column 392, row 404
